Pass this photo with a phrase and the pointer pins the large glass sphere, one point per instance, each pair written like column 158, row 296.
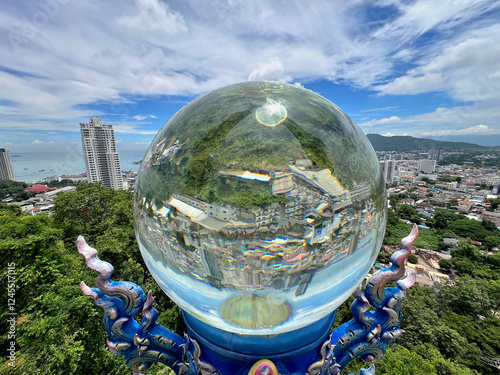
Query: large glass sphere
column 260, row 207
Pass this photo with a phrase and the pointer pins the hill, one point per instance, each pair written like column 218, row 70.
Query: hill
column 407, row 143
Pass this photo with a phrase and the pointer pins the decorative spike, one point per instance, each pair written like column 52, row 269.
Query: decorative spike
column 88, row 291
column 104, row 268
column 360, row 306
column 117, row 327
column 149, row 313
column 131, row 294
column 410, row 239
column 409, row 281
column 117, row 347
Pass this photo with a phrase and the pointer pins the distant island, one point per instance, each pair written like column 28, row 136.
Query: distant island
column 408, row 143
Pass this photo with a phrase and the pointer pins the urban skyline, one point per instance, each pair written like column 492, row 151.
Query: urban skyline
column 416, row 68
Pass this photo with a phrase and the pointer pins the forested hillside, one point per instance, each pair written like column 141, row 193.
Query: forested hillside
column 449, row 329
column 407, row 143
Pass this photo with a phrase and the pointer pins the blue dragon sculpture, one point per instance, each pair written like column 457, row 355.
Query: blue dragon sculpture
column 147, row 342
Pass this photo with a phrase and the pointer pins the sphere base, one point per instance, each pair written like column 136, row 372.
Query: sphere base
column 235, row 353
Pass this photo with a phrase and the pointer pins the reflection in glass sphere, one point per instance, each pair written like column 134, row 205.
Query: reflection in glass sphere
column 260, row 207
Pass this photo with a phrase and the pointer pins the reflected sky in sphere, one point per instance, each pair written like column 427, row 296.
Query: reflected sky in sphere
column 260, row 207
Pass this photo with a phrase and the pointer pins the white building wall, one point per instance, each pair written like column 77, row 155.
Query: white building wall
column 102, row 160
column 6, row 170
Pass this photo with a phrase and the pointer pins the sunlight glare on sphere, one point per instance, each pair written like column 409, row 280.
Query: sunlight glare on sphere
column 260, row 207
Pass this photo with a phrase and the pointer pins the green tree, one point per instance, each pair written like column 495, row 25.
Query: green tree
column 401, row 361
column 8, row 187
column 494, row 203
column 59, row 184
column 91, row 210
column 59, row 330
column 491, row 241
column 469, row 229
column 55, row 325
column 443, row 218
column 446, row 264
column 413, row 259
column 406, row 211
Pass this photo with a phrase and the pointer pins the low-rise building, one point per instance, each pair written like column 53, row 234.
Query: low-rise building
column 464, row 206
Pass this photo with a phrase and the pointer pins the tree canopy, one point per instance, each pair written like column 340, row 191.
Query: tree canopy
column 450, row 329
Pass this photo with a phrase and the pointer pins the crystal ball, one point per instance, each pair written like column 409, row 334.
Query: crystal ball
column 260, row 207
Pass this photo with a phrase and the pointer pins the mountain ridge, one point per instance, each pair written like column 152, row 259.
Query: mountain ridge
column 408, row 143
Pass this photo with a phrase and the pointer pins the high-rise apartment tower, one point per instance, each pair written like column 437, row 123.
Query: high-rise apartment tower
column 389, row 167
column 6, row 170
column 99, row 149
column 435, row 154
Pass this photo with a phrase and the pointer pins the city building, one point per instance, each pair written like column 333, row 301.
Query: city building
column 389, row 167
column 6, row 170
column 427, row 166
column 101, row 157
column 397, row 157
column 435, row 154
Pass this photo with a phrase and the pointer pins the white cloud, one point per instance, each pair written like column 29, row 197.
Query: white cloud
column 389, row 134
column 131, row 128
column 392, row 108
column 143, row 117
column 409, row 85
column 153, row 17
column 466, row 69
column 270, row 71
column 461, row 120
column 474, row 130
column 117, row 52
column 388, row 120
column 36, row 142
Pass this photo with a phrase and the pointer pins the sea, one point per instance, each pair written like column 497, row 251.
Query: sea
column 33, row 166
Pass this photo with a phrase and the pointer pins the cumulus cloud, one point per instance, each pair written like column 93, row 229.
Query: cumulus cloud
column 143, row 117
column 115, row 53
column 410, row 85
column 466, row 69
column 458, row 120
column 270, row 71
column 153, row 15
column 388, row 120
column 389, row 134
column 36, row 142
column 131, row 128
column 474, row 130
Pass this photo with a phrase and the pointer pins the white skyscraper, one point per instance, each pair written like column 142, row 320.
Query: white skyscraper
column 6, row 170
column 389, row 170
column 427, row 166
column 99, row 149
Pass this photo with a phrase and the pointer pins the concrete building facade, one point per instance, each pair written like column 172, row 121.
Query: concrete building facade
column 101, row 157
column 6, row 170
column 389, row 168
column 427, row 166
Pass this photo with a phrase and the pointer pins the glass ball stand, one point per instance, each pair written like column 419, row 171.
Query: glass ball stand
column 259, row 208
column 377, row 313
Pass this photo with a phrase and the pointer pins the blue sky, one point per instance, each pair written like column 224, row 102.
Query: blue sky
column 422, row 68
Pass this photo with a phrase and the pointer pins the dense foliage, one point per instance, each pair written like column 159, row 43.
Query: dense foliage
column 450, row 330
column 14, row 189
column 56, row 324
column 407, row 143
column 59, row 184
column 443, row 224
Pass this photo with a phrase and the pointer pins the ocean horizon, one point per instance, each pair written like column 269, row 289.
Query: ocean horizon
column 34, row 166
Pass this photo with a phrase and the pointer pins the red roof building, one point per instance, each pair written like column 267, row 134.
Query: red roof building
column 38, row 188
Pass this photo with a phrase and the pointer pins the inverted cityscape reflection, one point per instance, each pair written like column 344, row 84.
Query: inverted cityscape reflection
column 260, row 207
